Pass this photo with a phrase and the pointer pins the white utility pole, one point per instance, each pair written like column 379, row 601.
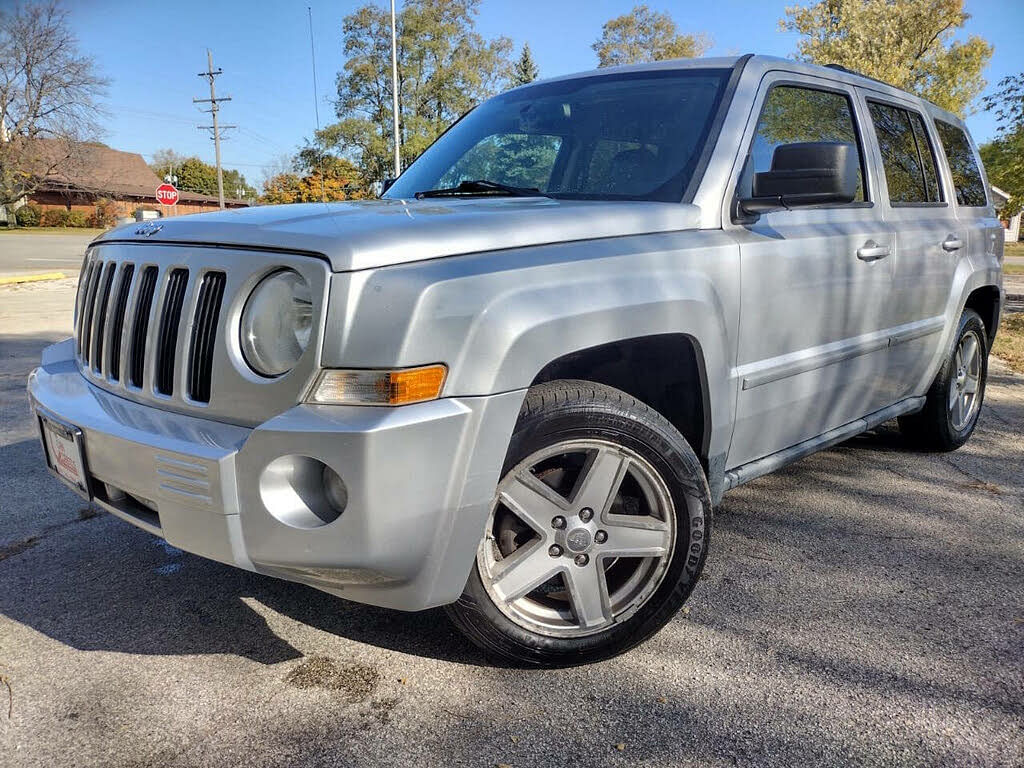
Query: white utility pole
column 394, row 89
column 214, row 103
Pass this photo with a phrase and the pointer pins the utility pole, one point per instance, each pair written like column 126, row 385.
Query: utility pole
column 394, row 89
column 214, row 103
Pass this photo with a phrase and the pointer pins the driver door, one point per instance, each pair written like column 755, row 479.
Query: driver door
column 813, row 341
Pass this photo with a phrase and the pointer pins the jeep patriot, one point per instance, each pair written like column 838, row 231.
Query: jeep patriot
column 517, row 383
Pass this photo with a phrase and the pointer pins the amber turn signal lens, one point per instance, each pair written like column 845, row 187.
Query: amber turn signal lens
column 401, row 387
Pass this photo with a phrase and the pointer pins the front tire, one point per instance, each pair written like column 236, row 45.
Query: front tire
column 597, row 535
column 954, row 401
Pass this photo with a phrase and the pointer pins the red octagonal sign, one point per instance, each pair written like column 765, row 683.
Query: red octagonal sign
column 167, row 194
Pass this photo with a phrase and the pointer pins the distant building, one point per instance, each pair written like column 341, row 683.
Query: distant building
column 1012, row 224
column 97, row 173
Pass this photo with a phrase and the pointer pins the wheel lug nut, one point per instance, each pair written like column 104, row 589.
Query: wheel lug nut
column 555, row 551
column 586, row 514
column 581, row 560
column 558, row 522
column 601, row 537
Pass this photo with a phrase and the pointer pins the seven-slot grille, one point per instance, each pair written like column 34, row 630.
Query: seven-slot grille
column 128, row 323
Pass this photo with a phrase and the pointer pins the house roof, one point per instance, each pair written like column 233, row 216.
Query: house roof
column 101, row 170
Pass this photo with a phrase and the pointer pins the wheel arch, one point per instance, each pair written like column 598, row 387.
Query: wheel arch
column 665, row 371
column 985, row 300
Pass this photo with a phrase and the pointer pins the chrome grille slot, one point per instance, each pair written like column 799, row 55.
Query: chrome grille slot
column 140, row 326
column 100, row 315
column 167, row 339
column 117, row 320
column 85, row 327
column 204, row 336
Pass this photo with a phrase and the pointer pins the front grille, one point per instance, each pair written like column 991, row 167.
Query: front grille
column 129, row 325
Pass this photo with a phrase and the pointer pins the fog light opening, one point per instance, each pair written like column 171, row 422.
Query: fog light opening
column 302, row 492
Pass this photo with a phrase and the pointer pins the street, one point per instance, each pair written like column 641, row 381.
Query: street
column 33, row 253
column 861, row 608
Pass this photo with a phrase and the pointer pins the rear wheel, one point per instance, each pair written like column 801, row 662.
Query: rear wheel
column 954, row 401
column 597, row 534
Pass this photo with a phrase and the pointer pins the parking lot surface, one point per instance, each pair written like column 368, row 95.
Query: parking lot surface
column 860, row 608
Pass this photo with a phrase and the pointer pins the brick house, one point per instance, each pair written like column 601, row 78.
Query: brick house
column 98, row 174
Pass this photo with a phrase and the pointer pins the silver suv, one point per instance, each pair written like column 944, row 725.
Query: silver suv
column 516, row 385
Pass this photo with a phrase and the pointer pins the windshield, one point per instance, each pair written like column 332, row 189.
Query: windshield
column 622, row 136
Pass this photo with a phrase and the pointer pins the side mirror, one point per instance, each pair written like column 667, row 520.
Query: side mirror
column 387, row 184
column 809, row 173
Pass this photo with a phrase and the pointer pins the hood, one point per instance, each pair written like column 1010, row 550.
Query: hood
column 376, row 233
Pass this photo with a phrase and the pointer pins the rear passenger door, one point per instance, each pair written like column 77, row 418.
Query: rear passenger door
column 930, row 240
column 811, row 354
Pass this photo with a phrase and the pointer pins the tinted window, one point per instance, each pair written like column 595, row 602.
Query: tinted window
column 623, row 136
column 792, row 114
column 970, row 190
column 907, row 154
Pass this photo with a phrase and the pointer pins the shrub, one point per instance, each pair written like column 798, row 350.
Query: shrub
column 105, row 215
column 74, row 219
column 28, row 216
column 53, row 217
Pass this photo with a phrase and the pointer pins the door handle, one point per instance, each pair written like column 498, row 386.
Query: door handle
column 872, row 251
column 952, row 243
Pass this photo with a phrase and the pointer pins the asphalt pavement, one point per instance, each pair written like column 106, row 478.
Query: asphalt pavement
column 30, row 254
column 861, row 608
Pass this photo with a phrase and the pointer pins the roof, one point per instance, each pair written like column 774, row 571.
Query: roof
column 757, row 65
column 101, row 170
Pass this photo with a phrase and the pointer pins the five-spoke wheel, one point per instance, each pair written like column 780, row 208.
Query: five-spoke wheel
column 597, row 533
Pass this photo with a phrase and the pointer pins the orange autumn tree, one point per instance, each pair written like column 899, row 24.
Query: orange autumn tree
column 324, row 178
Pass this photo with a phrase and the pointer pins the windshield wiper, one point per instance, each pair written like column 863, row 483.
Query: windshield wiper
column 482, row 187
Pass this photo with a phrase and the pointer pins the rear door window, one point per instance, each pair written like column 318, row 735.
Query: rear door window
column 970, row 189
column 907, row 155
column 793, row 114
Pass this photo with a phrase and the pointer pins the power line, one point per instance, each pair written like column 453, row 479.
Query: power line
column 211, row 74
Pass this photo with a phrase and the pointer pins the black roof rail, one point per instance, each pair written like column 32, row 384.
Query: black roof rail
column 847, row 70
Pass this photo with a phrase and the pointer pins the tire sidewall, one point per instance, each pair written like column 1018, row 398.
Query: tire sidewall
column 675, row 462
column 969, row 322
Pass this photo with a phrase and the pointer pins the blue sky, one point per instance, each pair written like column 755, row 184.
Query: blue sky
column 153, row 50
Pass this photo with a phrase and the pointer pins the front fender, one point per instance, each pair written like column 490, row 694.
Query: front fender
column 497, row 319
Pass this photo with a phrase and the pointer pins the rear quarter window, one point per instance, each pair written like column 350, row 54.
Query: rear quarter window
column 970, row 189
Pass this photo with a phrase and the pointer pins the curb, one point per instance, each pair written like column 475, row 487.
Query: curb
column 15, row 279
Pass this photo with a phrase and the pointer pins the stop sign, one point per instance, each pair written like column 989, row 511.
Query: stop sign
column 167, row 194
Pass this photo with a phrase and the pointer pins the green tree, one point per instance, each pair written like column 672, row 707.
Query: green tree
column 643, row 35
column 194, row 175
column 909, row 44
column 445, row 67
column 1004, row 155
column 525, row 69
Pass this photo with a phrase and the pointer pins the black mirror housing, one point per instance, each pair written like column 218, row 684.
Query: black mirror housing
column 808, row 173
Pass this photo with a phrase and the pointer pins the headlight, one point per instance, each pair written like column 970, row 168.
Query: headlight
column 276, row 323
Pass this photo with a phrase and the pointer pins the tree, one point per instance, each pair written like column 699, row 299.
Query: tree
column 48, row 90
column 194, row 175
column 166, row 162
column 1004, row 156
column 643, row 35
column 316, row 177
column 908, row 44
column 445, row 67
column 525, row 69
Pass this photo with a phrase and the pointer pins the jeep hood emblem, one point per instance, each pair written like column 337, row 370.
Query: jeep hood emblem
column 149, row 229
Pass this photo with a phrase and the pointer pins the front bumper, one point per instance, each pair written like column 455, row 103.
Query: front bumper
column 420, row 481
